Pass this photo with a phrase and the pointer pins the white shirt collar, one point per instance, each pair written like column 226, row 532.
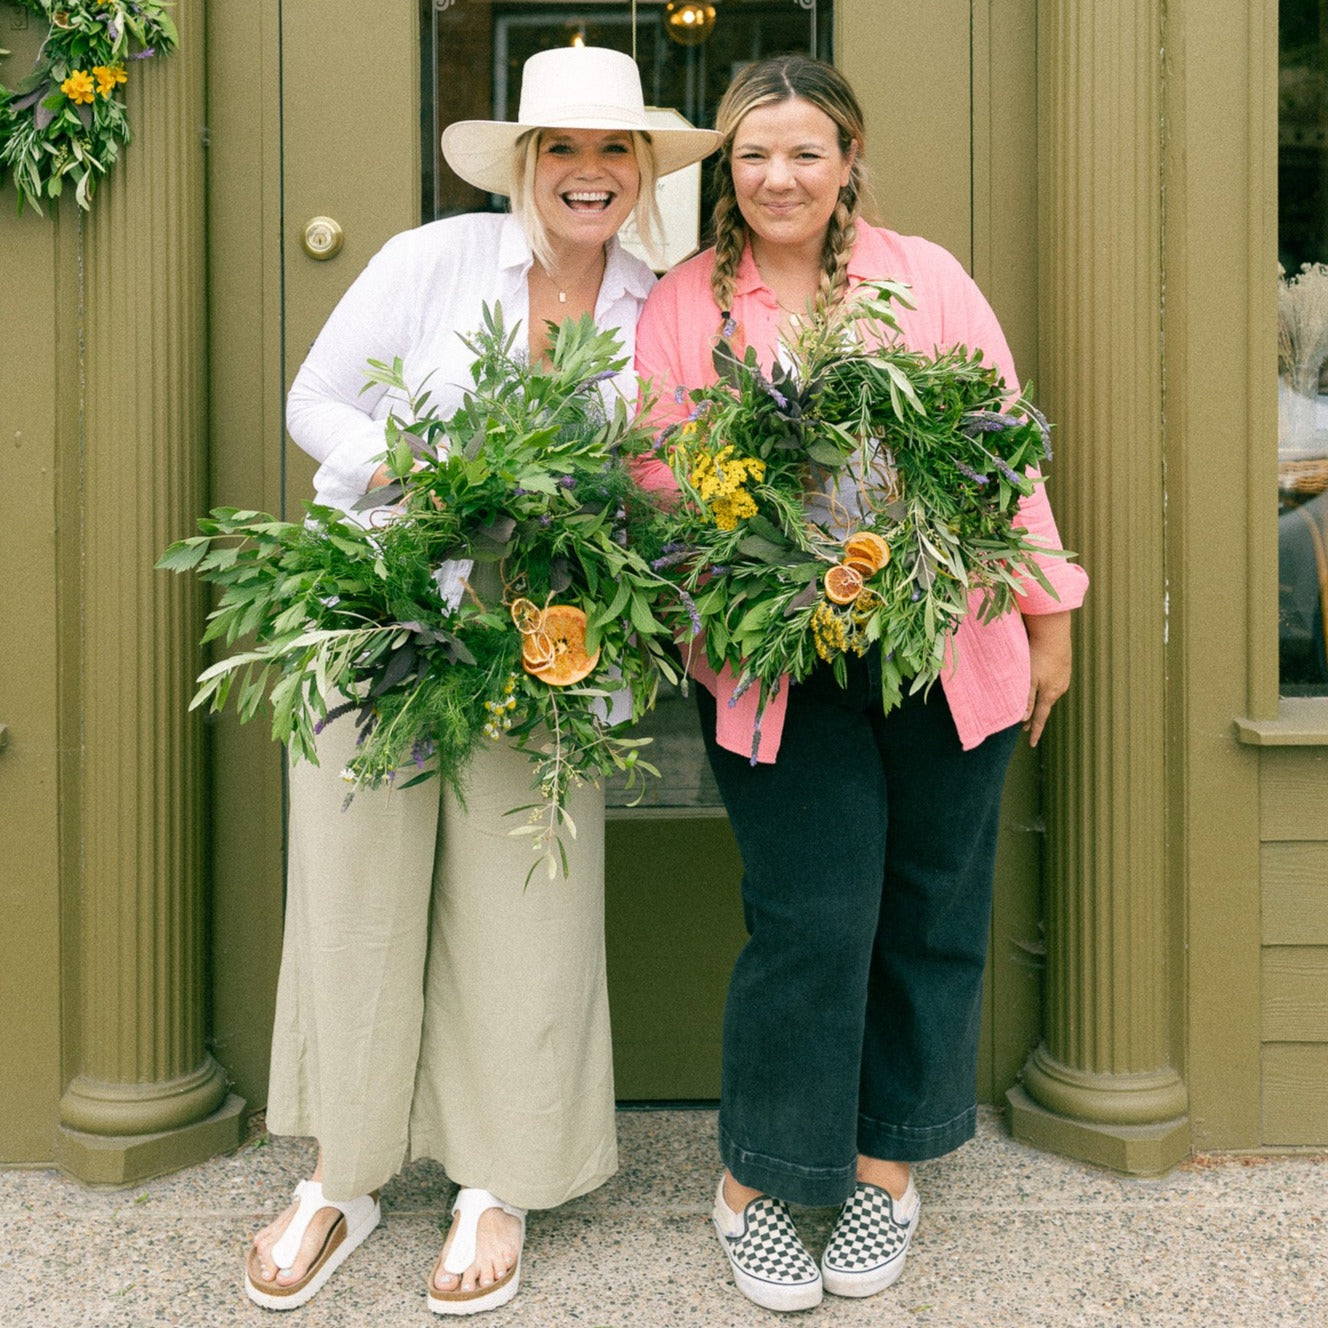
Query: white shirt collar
column 514, row 251
column 624, row 273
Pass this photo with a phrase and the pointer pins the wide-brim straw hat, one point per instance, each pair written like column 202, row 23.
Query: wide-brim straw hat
column 569, row 87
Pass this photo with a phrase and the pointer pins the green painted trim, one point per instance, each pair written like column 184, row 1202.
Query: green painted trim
column 1302, row 721
column 1220, row 322
column 38, row 358
column 100, row 1160
column 245, row 398
column 1135, row 1150
column 665, row 813
column 919, row 144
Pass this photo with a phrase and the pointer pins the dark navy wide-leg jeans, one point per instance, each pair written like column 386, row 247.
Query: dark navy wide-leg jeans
column 868, row 850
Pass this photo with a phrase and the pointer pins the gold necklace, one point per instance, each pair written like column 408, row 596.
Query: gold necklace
column 553, row 281
column 797, row 315
column 788, row 309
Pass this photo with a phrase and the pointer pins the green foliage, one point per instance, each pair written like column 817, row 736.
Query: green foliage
column 527, row 474
column 859, row 434
column 66, row 120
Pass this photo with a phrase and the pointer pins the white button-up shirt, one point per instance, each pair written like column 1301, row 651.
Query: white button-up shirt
column 418, row 296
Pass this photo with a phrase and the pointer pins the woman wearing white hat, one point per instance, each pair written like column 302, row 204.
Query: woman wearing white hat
column 429, row 1004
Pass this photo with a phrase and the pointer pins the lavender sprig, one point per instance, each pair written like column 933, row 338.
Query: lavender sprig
column 693, row 613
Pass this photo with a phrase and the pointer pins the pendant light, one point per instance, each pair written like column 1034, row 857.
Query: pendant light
column 688, row 22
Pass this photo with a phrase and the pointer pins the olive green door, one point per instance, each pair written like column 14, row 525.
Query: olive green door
column 305, row 146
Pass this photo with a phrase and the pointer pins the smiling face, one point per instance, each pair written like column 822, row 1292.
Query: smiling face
column 586, row 184
column 788, row 169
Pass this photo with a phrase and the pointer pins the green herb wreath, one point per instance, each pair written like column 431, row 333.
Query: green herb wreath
column 528, row 476
column 852, row 500
column 66, row 121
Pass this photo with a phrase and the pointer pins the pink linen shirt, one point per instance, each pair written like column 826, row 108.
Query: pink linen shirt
column 986, row 679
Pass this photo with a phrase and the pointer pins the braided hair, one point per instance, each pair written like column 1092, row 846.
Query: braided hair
column 761, row 84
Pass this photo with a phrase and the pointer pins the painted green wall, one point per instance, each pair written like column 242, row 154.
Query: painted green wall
column 35, row 263
column 1246, row 869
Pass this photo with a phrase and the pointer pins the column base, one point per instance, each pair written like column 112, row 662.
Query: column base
column 1130, row 1098
column 96, row 1106
column 1136, row 1150
column 100, row 1159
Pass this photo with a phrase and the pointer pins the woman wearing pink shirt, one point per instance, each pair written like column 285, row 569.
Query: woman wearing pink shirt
column 868, row 839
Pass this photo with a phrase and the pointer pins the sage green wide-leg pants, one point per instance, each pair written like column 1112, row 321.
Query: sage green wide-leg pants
column 432, row 1005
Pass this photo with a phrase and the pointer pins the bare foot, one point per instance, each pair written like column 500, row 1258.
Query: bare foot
column 497, row 1248
column 737, row 1195
column 314, row 1239
column 893, row 1177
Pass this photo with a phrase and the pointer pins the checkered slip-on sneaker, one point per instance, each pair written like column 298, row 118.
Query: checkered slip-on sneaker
column 867, row 1247
column 770, row 1263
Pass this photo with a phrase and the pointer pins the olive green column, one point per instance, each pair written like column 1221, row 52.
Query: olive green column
column 1101, row 1086
column 143, row 1094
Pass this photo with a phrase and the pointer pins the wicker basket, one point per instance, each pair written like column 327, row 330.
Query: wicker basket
column 1305, row 477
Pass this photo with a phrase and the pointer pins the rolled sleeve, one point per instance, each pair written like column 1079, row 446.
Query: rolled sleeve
column 328, row 412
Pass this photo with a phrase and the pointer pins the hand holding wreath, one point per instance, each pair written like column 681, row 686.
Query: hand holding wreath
column 389, row 625
column 861, row 496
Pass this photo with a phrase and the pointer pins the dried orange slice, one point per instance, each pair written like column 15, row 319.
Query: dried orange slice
column 557, row 647
column 867, row 548
column 526, row 615
column 536, row 650
column 843, row 584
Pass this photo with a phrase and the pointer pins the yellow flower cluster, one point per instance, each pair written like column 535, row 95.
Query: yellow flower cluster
column 720, row 481
column 500, row 712
column 836, row 631
column 828, row 632
column 109, row 77
column 78, row 87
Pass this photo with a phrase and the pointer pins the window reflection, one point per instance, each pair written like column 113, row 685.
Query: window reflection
column 479, row 46
column 1302, row 351
column 473, row 53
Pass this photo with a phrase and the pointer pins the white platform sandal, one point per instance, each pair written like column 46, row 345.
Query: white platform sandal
column 467, row 1208
column 356, row 1219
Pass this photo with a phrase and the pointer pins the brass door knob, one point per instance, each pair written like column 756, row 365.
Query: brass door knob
column 322, row 238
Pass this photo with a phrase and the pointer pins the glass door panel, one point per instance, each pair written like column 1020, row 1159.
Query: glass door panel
column 672, row 869
column 1302, row 441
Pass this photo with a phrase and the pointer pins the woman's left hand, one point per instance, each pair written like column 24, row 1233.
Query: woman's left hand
column 1049, row 656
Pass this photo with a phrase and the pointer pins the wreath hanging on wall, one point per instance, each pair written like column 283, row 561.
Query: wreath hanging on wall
column 65, row 122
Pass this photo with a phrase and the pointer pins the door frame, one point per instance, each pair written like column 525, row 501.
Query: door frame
column 273, row 166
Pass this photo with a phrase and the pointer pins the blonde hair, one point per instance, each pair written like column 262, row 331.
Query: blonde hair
column 649, row 224
column 762, row 84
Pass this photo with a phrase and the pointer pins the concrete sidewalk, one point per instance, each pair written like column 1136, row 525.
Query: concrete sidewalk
column 1009, row 1238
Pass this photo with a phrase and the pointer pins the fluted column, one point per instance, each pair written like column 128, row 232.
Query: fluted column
column 1101, row 1086
column 145, row 1096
